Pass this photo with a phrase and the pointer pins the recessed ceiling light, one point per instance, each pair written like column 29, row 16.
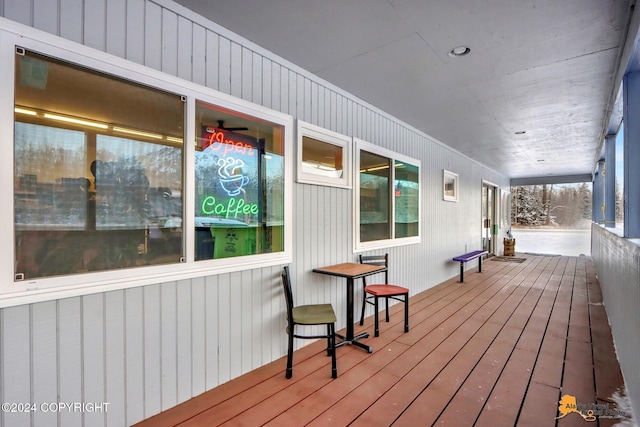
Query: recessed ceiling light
column 520, row 132
column 459, row 51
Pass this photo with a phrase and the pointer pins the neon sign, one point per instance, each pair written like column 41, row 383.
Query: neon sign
column 219, row 141
column 231, row 178
column 231, row 209
column 231, row 186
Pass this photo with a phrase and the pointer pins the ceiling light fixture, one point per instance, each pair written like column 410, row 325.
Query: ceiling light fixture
column 137, row 132
column 24, row 111
column 520, row 132
column 459, row 51
column 75, row 121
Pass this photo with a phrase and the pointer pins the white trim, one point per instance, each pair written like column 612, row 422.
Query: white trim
column 189, row 182
column 59, row 287
column 496, row 211
column 7, row 75
column 505, row 211
column 484, row 181
column 329, row 137
column 29, row 291
column 385, row 243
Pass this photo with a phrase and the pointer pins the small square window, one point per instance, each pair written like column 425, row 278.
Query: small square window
column 324, row 157
column 450, row 186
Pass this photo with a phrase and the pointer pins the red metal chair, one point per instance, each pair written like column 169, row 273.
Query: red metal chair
column 385, row 290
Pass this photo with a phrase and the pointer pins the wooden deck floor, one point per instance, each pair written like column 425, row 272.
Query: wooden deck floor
column 499, row 350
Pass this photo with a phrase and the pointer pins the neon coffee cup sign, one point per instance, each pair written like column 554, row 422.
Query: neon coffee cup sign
column 237, row 155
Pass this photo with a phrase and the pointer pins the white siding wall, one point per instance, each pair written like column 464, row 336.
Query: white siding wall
column 149, row 348
column 617, row 261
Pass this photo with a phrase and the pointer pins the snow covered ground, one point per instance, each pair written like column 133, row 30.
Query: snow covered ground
column 571, row 242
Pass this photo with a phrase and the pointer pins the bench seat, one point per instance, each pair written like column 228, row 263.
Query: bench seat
column 462, row 259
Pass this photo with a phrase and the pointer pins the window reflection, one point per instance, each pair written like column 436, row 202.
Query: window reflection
column 321, row 158
column 406, row 193
column 375, row 176
column 98, row 171
column 43, row 197
column 137, row 184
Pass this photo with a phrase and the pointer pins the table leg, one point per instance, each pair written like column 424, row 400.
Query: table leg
column 350, row 338
column 349, row 308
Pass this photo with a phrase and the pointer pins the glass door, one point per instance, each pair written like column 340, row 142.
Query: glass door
column 489, row 218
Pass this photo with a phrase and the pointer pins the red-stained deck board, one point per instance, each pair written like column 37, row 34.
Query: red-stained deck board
column 540, row 405
column 503, row 405
column 500, row 349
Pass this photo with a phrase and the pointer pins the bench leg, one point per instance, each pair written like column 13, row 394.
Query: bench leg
column 462, row 272
column 479, row 264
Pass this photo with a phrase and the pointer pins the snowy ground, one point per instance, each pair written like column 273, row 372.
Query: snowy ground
column 556, row 242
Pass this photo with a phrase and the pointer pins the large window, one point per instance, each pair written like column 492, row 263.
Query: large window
column 239, row 176
column 98, row 171
column 387, row 198
column 125, row 176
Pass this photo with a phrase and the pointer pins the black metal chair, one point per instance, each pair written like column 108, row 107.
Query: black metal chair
column 372, row 292
column 308, row 315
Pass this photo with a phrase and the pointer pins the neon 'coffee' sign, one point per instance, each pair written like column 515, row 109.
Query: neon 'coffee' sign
column 237, row 156
column 231, row 210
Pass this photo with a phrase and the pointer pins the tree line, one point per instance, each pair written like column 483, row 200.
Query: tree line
column 551, row 205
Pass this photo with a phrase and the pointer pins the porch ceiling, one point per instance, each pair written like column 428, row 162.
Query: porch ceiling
column 548, row 68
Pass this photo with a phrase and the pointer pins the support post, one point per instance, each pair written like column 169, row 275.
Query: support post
column 631, row 114
column 610, row 181
column 597, row 196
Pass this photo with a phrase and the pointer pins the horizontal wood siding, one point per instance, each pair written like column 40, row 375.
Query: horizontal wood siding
column 146, row 349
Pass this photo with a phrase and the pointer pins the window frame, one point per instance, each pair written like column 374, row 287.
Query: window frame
column 454, row 176
column 505, row 209
column 13, row 292
column 329, row 137
column 358, row 246
column 265, row 115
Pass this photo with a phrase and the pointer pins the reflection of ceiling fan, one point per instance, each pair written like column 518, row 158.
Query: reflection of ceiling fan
column 232, row 129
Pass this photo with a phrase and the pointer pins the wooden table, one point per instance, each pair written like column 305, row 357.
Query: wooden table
column 351, row 271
